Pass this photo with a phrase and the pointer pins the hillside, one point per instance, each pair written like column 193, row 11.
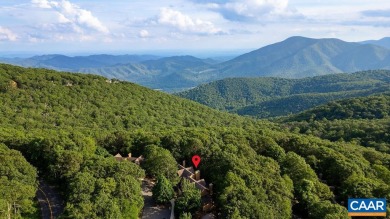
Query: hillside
column 70, row 125
column 373, row 107
column 47, row 99
column 295, row 57
column 299, row 102
column 267, row 97
column 364, row 120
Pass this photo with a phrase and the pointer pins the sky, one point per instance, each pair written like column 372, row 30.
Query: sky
column 181, row 26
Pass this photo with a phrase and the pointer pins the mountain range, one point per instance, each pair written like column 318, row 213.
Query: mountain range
column 66, row 63
column 384, row 42
column 295, row 57
column 299, row 57
column 268, row 96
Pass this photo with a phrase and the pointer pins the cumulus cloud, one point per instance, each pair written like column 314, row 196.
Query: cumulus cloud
column 185, row 23
column 7, row 35
column 71, row 13
column 245, row 10
column 144, row 34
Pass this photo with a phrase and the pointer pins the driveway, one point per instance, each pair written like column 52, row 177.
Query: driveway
column 49, row 200
column 151, row 210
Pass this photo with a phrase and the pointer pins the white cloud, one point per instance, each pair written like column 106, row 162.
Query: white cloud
column 144, row 34
column 41, row 3
column 71, row 13
column 7, row 35
column 185, row 23
column 245, row 10
column 63, row 19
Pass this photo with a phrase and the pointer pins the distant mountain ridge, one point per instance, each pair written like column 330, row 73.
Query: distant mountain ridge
column 295, row 57
column 384, row 42
column 298, row 57
column 62, row 62
column 268, row 97
column 169, row 73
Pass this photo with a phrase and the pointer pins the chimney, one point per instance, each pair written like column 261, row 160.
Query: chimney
column 129, row 155
column 197, row 175
column 184, row 163
column 211, row 189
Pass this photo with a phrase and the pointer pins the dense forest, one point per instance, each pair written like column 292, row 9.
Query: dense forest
column 270, row 97
column 18, row 185
column 363, row 120
column 69, row 126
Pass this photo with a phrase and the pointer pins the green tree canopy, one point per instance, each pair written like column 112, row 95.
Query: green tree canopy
column 163, row 191
column 18, row 184
column 189, row 200
column 159, row 161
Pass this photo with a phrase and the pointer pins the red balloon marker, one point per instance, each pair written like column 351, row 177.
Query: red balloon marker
column 196, row 160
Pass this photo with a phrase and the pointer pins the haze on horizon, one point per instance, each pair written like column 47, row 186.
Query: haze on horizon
column 184, row 26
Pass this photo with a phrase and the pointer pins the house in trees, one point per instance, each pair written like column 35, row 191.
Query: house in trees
column 136, row 160
column 188, row 173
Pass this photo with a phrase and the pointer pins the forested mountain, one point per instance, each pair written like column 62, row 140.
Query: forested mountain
column 364, row 120
column 169, row 73
column 69, row 126
column 298, row 57
column 295, row 57
column 384, row 42
column 373, row 107
column 268, row 97
column 62, row 62
column 124, row 101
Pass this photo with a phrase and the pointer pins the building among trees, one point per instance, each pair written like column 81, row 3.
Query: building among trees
column 194, row 177
column 136, row 160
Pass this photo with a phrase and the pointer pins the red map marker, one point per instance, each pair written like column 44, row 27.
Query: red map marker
column 196, row 160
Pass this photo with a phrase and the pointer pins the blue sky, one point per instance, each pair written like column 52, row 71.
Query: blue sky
column 182, row 26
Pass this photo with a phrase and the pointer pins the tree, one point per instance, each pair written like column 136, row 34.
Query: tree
column 185, row 215
column 359, row 186
column 327, row 210
column 18, row 184
column 67, row 163
column 105, row 188
column 159, row 161
column 163, row 191
column 189, row 200
column 296, row 168
column 82, row 186
column 238, row 200
column 106, row 206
